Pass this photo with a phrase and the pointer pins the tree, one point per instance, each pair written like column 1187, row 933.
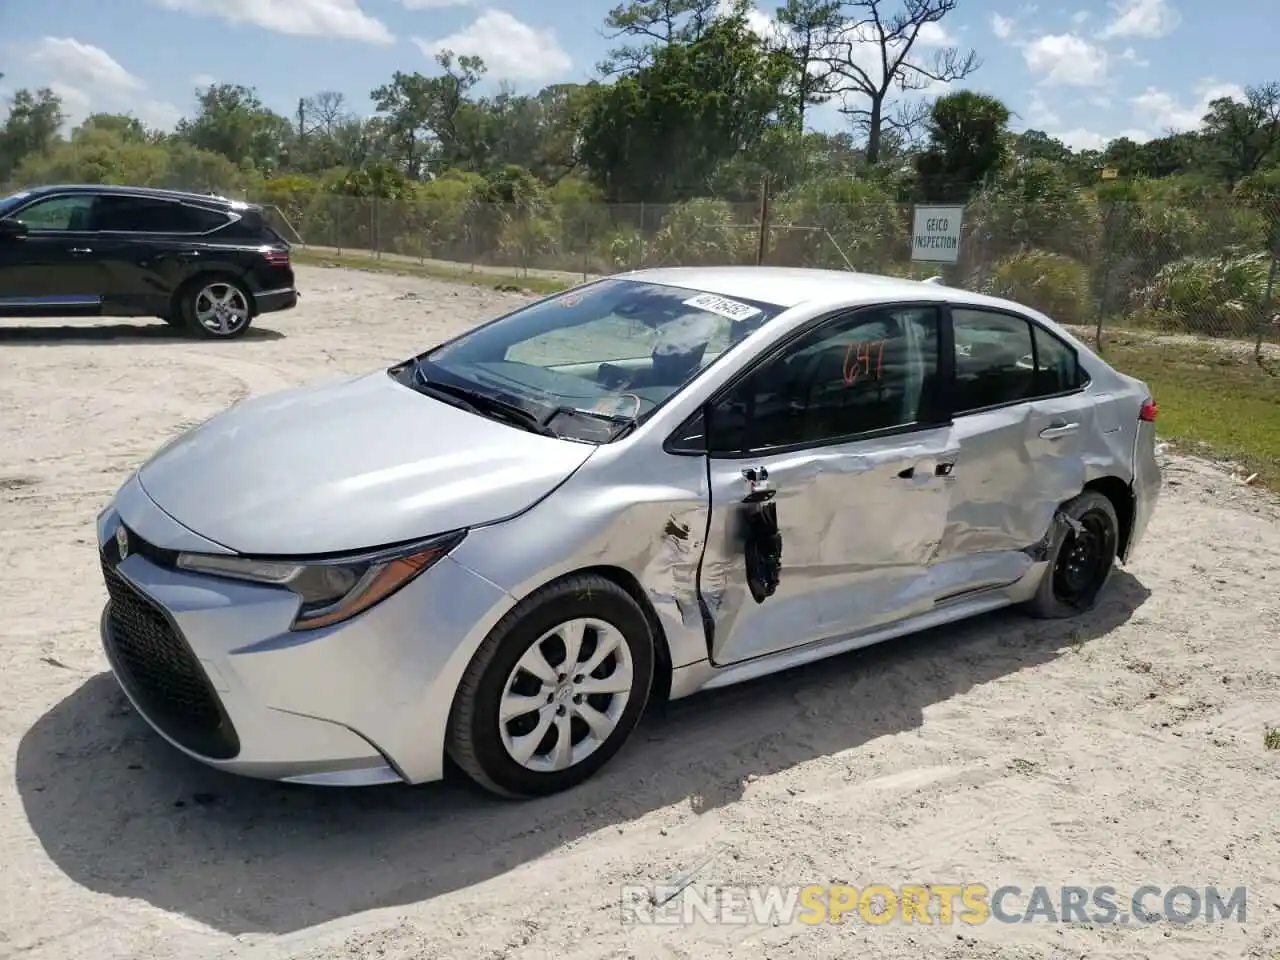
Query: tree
column 806, row 27
column 1246, row 136
column 232, row 121
column 967, row 145
column 872, row 56
column 422, row 114
column 656, row 24
column 31, row 128
column 660, row 133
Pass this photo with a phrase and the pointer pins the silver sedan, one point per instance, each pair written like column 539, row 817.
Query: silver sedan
column 500, row 550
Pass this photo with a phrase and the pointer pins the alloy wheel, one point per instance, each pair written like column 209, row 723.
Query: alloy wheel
column 222, row 309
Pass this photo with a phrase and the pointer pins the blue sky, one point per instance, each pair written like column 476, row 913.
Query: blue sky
column 1084, row 70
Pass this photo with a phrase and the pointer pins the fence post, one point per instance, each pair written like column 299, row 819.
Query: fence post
column 1107, row 224
column 763, row 247
column 1268, row 294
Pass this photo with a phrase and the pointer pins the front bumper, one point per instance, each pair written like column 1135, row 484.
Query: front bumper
column 212, row 666
column 271, row 301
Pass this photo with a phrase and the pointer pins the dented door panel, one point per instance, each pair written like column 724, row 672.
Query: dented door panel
column 1016, row 465
column 859, row 524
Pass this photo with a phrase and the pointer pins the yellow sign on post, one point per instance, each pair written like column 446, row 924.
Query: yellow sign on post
column 1110, row 173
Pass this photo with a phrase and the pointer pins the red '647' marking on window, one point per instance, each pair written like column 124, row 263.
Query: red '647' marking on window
column 863, row 359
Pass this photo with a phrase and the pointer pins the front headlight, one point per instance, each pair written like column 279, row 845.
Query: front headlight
column 331, row 590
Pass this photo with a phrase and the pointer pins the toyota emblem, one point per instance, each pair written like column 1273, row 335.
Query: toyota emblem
column 122, row 541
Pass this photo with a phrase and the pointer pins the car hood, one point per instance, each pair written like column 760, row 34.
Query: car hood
column 350, row 465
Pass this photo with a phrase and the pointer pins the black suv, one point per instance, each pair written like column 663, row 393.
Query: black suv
column 202, row 263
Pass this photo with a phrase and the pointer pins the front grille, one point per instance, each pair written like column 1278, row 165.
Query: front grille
column 159, row 670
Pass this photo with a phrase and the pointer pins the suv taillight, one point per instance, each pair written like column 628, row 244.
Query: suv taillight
column 277, row 258
column 1148, row 412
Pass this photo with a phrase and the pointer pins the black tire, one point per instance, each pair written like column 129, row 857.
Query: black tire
column 189, row 298
column 1081, row 558
column 474, row 739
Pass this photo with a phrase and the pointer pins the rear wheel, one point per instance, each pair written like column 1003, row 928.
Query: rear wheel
column 555, row 689
column 1081, row 558
column 216, row 307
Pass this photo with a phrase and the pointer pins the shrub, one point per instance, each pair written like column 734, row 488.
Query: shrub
column 1049, row 282
column 1218, row 297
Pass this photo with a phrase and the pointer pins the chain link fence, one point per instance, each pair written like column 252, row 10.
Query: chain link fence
column 1207, row 270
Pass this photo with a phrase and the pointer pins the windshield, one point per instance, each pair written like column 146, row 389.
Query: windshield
column 614, row 348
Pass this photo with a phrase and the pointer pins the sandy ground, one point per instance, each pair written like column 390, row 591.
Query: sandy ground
column 1122, row 750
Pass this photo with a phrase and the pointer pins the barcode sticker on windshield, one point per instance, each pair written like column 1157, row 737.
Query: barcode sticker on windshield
column 722, row 306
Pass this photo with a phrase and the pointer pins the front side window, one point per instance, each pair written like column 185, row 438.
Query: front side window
column 614, row 347
column 874, row 370
column 71, row 213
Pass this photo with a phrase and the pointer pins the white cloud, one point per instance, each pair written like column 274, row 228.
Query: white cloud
column 83, row 65
column 433, row 4
column 301, row 18
column 204, row 80
column 1142, row 18
column 1039, row 114
column 1079, row 17
column 1131, row 55
column 510, row 48
column 1066, row 60
column 1080, row 138
column 1002, row 27
column 1160, row 110
column 88, row 79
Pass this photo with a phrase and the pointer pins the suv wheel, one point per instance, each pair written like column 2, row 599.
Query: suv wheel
column 216, row 307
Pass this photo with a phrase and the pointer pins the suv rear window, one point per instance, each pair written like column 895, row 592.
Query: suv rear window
column 147, row 215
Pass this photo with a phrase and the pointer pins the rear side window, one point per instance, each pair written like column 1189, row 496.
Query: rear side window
column 148, row 215
column 1003, row 359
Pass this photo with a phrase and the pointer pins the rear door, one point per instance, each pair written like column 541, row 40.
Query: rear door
column 150, row 246
column 840, row 430
column 54, row 270
column 1021, row 416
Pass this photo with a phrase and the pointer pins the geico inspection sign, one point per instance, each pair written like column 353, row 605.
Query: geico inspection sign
column 935, row 234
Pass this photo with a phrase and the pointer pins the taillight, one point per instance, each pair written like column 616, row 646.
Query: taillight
column 276, row 258
column 1148, row 412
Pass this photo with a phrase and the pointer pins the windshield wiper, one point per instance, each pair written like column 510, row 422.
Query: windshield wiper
column 618, row 419
column 482, row 403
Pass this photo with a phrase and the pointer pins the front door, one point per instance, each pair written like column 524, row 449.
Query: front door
column 840, row 431
column 54, row 270
column 1021, row 417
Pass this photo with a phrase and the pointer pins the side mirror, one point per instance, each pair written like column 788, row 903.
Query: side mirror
column 12, row 228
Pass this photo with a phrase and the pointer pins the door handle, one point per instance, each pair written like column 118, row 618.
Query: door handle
column 79, row 250
column 1059, row 428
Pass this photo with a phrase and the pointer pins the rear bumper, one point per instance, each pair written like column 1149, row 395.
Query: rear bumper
column 1146, row 487
column 271, row 301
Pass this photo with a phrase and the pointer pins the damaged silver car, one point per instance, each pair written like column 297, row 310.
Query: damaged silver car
column 670, row 480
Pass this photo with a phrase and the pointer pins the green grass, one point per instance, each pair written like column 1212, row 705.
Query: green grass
column 504, row 281
column 1271, row 738
column 1213, row 401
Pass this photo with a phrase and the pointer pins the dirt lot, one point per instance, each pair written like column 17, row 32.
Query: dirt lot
column 1123, row 750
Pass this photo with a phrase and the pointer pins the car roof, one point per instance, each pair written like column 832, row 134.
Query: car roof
column 186, row 196
column 792, row 286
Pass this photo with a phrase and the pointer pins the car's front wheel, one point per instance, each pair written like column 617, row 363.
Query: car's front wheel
column 1081, row 557
column 554, row 690
column 216, row 307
